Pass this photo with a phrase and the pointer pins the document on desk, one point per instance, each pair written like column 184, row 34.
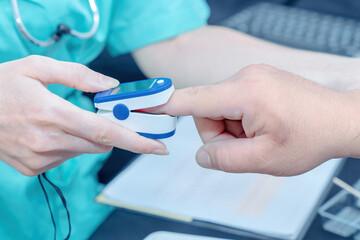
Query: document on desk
column 175, row 186
column 163, row 235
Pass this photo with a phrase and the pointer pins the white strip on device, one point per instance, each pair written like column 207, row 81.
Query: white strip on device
column 120, row 105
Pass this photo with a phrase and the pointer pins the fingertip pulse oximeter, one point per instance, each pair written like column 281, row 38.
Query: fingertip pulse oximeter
column 120, row 105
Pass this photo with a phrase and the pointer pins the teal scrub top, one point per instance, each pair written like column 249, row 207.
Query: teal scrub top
column 125, row 25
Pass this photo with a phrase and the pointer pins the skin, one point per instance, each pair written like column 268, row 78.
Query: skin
column 264, row 120
column 39, row 130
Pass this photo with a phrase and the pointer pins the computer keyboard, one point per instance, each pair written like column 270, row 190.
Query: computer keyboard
column 300, row 28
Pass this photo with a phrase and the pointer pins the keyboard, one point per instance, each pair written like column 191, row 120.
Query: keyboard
column 299, row 28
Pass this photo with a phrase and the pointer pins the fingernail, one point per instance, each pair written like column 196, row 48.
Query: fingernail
column 161, row 152
column 203, row 159
column 108, row 82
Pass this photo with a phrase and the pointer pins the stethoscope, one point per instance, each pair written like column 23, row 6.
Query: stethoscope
column 61, row 28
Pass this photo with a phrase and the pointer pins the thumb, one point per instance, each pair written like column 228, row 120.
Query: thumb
column 73, row 75
column 240, row 155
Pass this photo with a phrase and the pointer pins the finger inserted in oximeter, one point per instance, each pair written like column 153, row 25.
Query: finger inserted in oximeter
column 120, row 104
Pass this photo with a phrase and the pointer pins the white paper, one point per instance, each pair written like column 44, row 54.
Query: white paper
column 162, row 235
column 273, row 206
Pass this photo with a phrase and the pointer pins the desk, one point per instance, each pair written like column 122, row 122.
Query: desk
column 124, row 224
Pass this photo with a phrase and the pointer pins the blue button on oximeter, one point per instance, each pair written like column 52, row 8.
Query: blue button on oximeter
column 120, row 104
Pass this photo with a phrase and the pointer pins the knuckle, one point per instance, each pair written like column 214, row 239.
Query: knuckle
column 77, row 69
column 24, row 140
column 252, row 82
column 255, row 75
column 196, row 91
column 38, row 141
column 256, row 85
column 256, row 68
column 34, row 164
column 249, row 69
column 34, row 60
column 45, row 114
column 28, row 172
column 40, row 113
column 103, row 136
column 222, row 160
column 99, row 78
column 39, row 145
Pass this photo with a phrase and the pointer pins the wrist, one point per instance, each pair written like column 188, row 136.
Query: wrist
column 350, row 122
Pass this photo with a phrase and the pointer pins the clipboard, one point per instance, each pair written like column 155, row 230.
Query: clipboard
column 260, row 206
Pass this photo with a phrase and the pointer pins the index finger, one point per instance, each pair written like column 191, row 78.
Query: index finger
column 211, row 101
column 73, row 75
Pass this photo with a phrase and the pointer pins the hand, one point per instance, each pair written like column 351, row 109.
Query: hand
column 264, row 120
column 39, row 130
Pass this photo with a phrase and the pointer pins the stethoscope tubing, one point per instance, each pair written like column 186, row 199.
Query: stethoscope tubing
column 82, row 35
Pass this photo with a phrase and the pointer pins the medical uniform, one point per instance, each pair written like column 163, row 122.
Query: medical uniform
column 125, row 25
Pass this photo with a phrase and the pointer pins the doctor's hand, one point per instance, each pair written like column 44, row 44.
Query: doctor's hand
column 264, row 120
column 39, row 130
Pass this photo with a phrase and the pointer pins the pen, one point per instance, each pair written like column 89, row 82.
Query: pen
column 346, row 187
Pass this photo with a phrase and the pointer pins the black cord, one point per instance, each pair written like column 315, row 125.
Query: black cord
column 63, row 200
column 48, row 203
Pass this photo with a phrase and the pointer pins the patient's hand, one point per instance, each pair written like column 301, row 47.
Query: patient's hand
column 265, row 120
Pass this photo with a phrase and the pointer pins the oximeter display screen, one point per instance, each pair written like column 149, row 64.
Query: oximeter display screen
column 133, row 87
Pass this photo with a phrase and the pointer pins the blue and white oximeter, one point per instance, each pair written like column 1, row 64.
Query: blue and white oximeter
column 120, row 104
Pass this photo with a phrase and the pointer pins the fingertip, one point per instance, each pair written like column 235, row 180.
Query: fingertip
column 107, row 82
column 151, row 146
column 203, row 159
column 160, row 152
column 159, row 148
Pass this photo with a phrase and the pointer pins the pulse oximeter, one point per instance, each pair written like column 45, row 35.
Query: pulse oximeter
column 122, row 105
